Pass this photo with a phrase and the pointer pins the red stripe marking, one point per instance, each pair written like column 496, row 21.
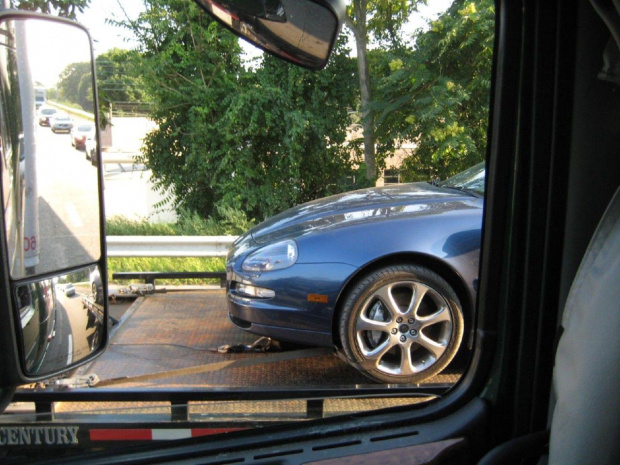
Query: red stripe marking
column 196, row 432
column 120, row 435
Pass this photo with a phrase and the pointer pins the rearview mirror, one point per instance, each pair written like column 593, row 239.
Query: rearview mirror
column 300, row 31
column 52, row 234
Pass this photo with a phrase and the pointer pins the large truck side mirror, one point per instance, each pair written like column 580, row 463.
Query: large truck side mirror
column 52, row 234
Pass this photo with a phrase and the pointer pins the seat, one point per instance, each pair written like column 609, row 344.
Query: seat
column 585, row 425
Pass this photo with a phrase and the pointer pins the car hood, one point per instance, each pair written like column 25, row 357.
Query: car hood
column 366, row 205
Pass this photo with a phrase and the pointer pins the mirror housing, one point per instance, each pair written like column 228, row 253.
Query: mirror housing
column 281, row 27
column 52, row 236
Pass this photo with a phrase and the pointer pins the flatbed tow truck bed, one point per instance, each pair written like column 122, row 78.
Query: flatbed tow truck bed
column 166, row 345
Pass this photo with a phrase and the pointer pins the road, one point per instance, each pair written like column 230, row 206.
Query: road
column 67, row 205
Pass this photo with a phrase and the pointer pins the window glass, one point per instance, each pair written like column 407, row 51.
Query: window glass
column 391, row 176
column 274, row 287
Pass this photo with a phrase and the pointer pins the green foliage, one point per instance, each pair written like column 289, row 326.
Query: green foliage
column 65, row 8
column 438, row 94
column 286, row 134
column 382, row 19
column 227, row 222
column 122, row 226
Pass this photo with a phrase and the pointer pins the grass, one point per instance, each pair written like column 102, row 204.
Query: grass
column 229, row 223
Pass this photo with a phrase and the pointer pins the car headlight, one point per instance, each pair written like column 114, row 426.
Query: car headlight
column 272, row 257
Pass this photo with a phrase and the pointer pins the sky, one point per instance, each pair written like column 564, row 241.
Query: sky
column 47, row 56
column 106, row 36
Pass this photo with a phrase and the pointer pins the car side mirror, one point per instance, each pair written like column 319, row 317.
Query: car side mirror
column 52, row 235
column 300, row 31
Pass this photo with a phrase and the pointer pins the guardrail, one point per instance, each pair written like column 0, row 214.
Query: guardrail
column 169, row 246
column 71, row 110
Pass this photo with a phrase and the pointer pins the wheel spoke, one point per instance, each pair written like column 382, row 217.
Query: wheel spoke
column 440, row 316
column 378, row 352
column 385, row 295
column 406, row 364
column 435, row 348
column 366, row 324
column 419, row 291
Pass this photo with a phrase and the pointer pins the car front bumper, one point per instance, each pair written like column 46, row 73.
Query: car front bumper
column 302, row 308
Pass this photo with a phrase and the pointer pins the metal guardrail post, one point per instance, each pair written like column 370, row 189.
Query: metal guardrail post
column 44, row 411
column 314, row 408
column 179, row 411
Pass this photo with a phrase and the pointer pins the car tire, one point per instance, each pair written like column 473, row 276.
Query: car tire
column 401, row 324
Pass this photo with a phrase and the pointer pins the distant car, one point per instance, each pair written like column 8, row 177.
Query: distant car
column 90, row 148
column 61, row 122
column 45, row 115
column 80, row 133
column 387, row 275
column 69, row 290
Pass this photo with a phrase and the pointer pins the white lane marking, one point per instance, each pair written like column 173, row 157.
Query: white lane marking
column 70, row 349
column 73, row 215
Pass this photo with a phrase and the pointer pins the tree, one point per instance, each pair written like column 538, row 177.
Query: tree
column 288, row 128
column 382, row 19
column 65, row 8
column 71, row 80
column 190, row 66
column 437, row 94
column 259, row 141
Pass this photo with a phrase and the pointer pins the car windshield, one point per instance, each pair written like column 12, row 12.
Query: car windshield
column 48, row 111
column 470, row 180
column 85, row 128
column 63, row 118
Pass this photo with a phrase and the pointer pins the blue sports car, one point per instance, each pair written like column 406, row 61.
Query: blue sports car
column 386, row 275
